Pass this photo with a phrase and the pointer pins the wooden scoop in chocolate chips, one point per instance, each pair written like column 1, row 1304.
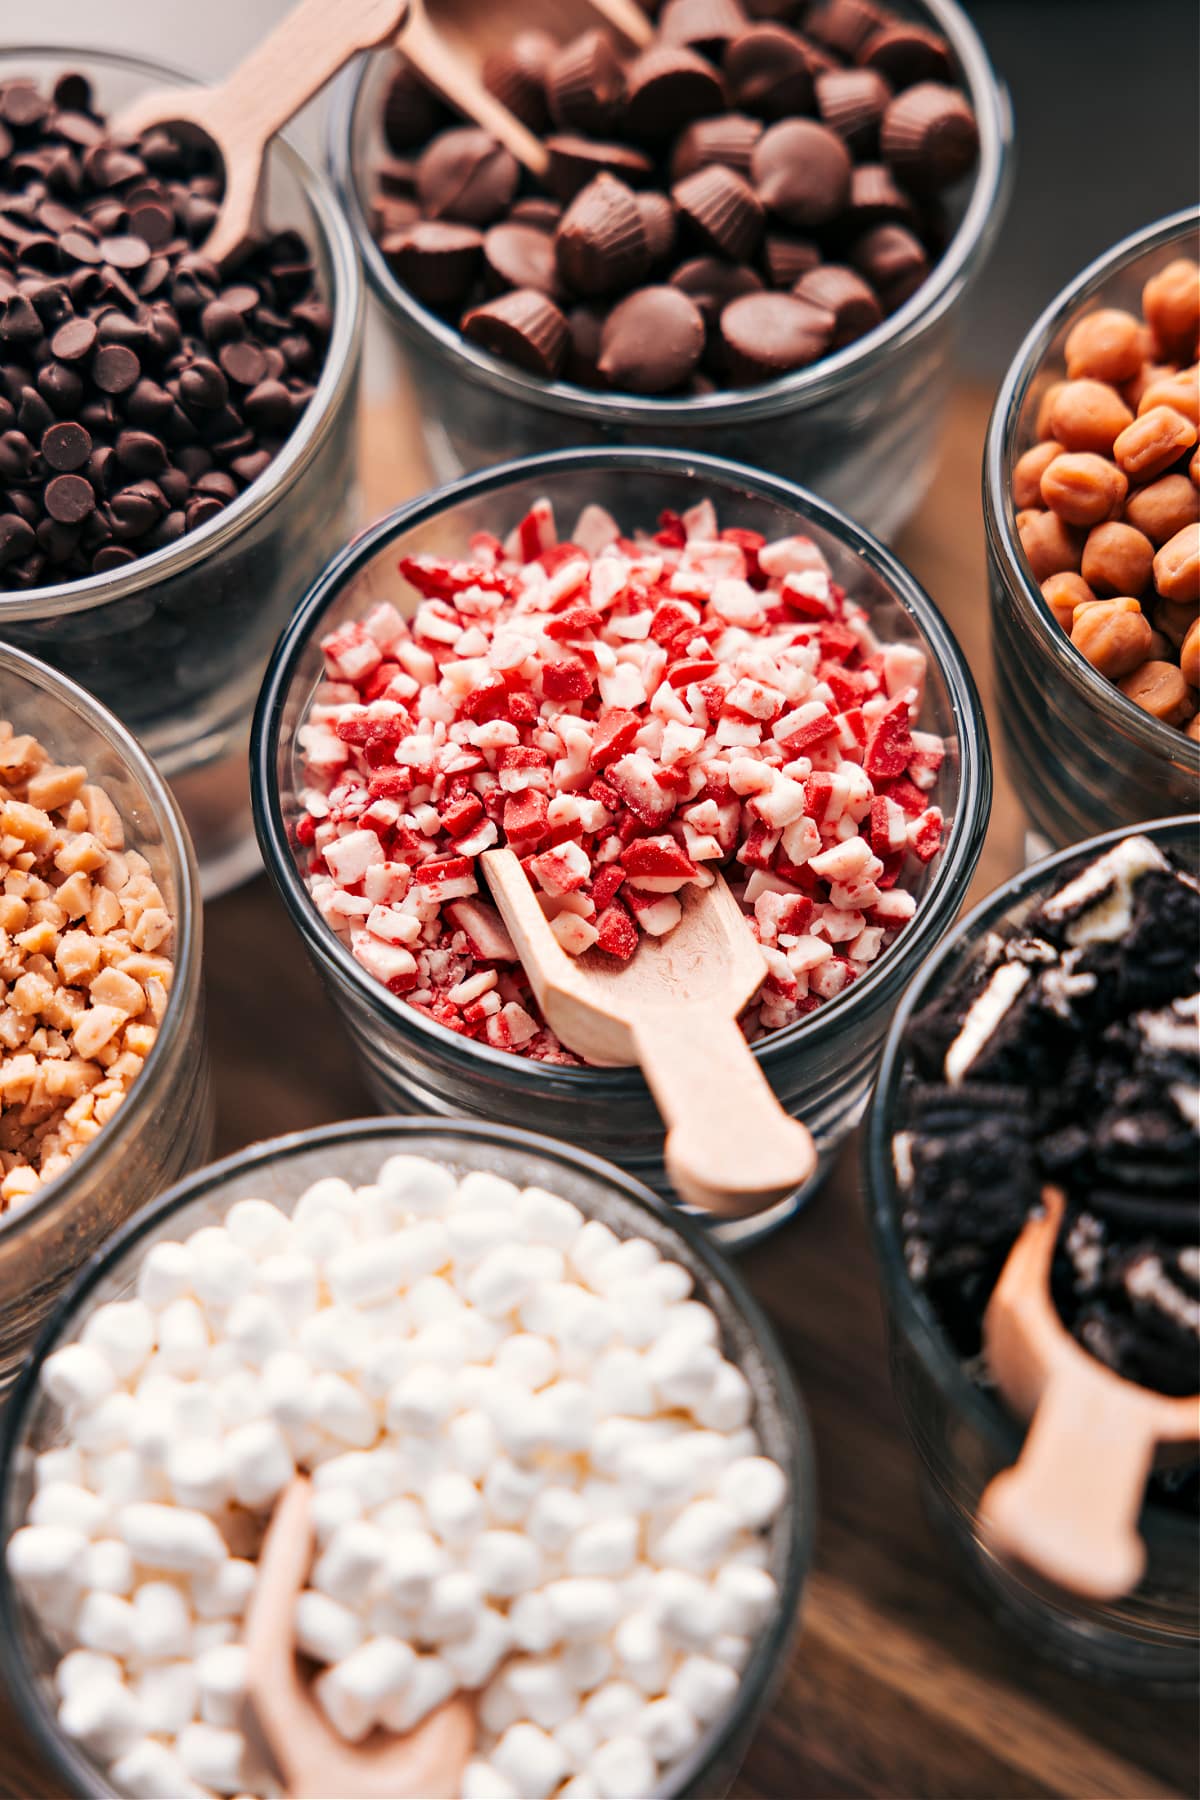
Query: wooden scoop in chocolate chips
column 313, row 1761
column 673, row 1008
column 1069, row 1509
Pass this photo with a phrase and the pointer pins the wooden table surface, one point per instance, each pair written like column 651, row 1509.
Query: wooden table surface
column 899, row 1685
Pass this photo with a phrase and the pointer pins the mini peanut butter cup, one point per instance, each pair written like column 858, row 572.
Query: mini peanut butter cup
column 842, row 292
column 844, row 26
column 929, row 136
column 852, row 102
column 574, row 161
column 412, row 112
column 658, row 223
column 536, row 209
column 600, row 242
column 802, row 172
column 728, row 139
column 906, row 53
column 520, row 256
column 769, row 71
column 523, row 327
column 517, row 76
column 467, row 176
column 584, row 327
column 875, row 198
column 764, row 335
column 711, row 283
column 722, row 210
column 893, row 260
column 705, row 26
column 585, row 84
column 439, row 261
column 652, row 341
column 786, row 259
column 665, row 89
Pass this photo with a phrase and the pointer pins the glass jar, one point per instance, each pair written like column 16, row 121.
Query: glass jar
column 280, row 1171
column 962, row 1436
column 860, row 428
column 822, row 1067
column 175, row 643
column 163, row 1126
column 1081, row 755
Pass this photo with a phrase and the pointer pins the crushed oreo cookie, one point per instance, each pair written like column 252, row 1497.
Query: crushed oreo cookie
column 1069, row 1051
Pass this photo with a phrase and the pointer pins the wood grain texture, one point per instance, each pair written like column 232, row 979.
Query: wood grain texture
column 899, row 1684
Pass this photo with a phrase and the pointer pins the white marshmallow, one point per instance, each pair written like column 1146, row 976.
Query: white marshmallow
column 583, row 1608
column 542, row 1693
column 64, row 1463
column 412, row 1563
column 107, row 1567
column 533, row 1625
column 586, row 1666
column 288, row 1279
column 213, row 1756
column 455, row 1507
column 172, row 1538
column 221, row 1272
column 754, row 1488
column 413, row 1184
column 531, row 1760
column 109, row 1426
column 475, row 1657
column 431, row 1682
column 79, row 1668
column 729, row 1402
column 353, row 1692
column 258, row 1227
column 453, row 1610
column 556, row 1515
column 350, row 1562
column 687, row 1609
column 148, row 1770
column 167, row 1695
column 102, row 1717
column 480, row 1190
column 606, row 1547
column 221, row 1675
column 76, row 1508
column 703, row 1686
column 257, row 1327
column 622, row 1769
column 547, row 1218
column 342, row 1411
column 77, row 1377
column 123, row 1331
column 699, row 1538
column 164, row 1275
column 481, row 1781
column 46, row 1556
column 162, row 1625
column 420, row 1401
column 748, row 1598
column 509, row 1491
column 528, row 1360
column 198, row 1472
column 105, row 1622
column 667, row 1728
column 505, row 1563
column 260, row 1463
column 472, row 1442
column 183, row 1338
column 224, row 1592
column 642, row 1651
column 324, row 1630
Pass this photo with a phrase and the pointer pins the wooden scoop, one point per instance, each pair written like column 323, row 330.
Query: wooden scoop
column 673, row 1008
column 1069, row 1509
column 241, row 115
column 426, row 1763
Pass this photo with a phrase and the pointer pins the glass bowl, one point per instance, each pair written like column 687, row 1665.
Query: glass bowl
column 1081, row 754
column 280, row 1171
column 961, row 1435
column 822, row 1067
column 860, row 428
column 163, row 1126
column 175, row 643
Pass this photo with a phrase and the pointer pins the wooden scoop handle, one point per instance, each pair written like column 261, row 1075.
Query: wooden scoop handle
column 242, row 114
column 730, row 1147
column 450, row 75
column 1069, row 1508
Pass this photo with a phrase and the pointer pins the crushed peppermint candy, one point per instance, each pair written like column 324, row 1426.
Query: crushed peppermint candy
column 629, row 715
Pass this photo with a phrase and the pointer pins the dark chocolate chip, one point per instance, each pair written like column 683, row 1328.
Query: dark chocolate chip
column 651, row 341
column 770, row 72
column 711, row 283
column 245, row 363
column 893, row 261
column 467, row 176
column 802, row 172
column 115, row 369
column 765, row 335
column 69, row 498
column 66, row 447
column 412, row 112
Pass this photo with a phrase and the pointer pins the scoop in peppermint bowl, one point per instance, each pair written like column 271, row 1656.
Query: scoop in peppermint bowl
column 435, row 1012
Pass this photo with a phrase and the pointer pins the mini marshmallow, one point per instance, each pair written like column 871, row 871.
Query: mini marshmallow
column 183, row 1339
column 79, row 1668
column 78, row 1376
column 105, row 1622
column 325, row 1630
column 413, row 1184
column 531, row 1760
column 63, row 1503
column 123, row 1332
column 109, row 1426
column 583, row 1608
column 172, row 1538
column 167, row 1695
column 420, row 1401
column 605, row 1547
column 197, row 1471
column 475, row 1657
column 353, row 1692
column 667, row 1728
column 221, row 1677
column 528, row 1360
column 64, row 1463
column 224, row 1592
column 162, row 1624
column 483, row 1782
column 505, row 1563
column 257, row 1227
column 642, row 1651
column 431, row 1682
column 453, row 1609
column 260, row 1463
column 164, row 1275
column 149, row 1770
column 455, row 1507
column 703, row 1686
column 748, row 1598
column 350, row 1562
column 699, row 1538
column 343, row 1412
column 622, row 1769
column 540, row 1690
column 754, row 1488
column 102, row 1717
column 213, row 1756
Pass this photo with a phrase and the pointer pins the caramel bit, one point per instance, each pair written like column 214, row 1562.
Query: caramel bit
column 85, row 964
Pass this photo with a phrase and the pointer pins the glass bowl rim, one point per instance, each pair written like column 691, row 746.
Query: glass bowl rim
column 346, row 303
column 186, row 972
column 765, row 1665
column 970, row 243
column 910, row 1307
column 956, row 861
column 999, row 513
